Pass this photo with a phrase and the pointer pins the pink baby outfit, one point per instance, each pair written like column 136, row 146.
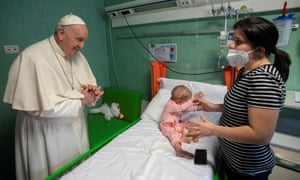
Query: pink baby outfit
column 170, row 124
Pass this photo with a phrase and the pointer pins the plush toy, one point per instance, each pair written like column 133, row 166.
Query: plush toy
column 108, row 111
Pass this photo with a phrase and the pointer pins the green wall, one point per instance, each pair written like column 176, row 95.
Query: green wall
column 126, row 64
column 25, row 22
column 196, row 53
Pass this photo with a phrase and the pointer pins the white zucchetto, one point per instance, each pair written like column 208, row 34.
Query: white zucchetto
column 70, row 19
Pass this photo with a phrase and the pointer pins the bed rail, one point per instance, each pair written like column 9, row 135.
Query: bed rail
column 158, row 70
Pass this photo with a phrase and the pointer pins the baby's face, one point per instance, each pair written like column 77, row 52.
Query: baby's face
column 181, row 100
column 178, row 101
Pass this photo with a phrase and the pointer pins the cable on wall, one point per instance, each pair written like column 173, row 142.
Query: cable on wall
column 149, row 52
column 113, row 54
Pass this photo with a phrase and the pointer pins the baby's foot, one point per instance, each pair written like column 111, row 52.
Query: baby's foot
column 184, row 154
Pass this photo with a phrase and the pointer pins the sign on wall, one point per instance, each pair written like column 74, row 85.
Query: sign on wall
column 163, row 52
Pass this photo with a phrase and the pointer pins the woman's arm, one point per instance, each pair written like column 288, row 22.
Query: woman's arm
column 204, row 105
column 262, row 124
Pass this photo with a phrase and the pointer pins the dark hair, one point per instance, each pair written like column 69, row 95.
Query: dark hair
column 263, row 33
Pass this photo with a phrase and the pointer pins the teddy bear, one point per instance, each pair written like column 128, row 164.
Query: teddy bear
column 108, row 111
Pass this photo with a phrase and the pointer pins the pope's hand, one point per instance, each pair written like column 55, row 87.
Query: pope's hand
column 91, row 94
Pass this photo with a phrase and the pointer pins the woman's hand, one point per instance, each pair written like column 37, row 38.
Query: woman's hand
column 204, row 105
column 200, row 129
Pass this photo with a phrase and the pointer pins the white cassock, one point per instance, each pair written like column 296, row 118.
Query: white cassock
column 51, row 125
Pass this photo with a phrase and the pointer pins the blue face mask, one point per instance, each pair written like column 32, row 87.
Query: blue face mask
column 237, row 57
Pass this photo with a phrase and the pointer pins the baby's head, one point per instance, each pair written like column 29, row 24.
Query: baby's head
column 181, row 94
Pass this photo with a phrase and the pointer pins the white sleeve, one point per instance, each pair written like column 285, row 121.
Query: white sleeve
column 68, row 108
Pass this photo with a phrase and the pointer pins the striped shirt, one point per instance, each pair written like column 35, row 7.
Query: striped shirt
column 262, row 87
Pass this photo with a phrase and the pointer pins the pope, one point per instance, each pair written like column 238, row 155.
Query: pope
column 49, row 84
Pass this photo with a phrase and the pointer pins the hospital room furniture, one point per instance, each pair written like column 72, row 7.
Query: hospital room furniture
column 101, row 131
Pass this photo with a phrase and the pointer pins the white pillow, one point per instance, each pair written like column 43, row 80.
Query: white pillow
column 166, row 83
column 212, row 92
column 156, row 105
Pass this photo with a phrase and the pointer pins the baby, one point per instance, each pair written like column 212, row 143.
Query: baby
column 171, row 125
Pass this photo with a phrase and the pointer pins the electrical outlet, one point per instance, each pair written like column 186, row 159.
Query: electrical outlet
column 295, row 26
column 184, row 3
column 114, row 14
column 126, row 11
column 11, row 49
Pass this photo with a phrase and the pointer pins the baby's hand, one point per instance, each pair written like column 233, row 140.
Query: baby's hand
column 196, row 101
column 199, row 95
column 196, row 98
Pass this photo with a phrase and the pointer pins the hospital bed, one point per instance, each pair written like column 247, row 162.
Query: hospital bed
column 138, row 150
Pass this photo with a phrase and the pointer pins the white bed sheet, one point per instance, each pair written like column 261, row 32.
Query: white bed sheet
column 143, row 153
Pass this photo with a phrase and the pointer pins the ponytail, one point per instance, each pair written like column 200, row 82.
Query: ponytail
column 263, row 33
column 282, row 62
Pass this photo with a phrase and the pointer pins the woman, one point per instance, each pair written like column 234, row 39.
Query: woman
column 252, row 105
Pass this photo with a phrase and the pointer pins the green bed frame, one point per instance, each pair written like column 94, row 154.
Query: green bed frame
column 101, row 131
